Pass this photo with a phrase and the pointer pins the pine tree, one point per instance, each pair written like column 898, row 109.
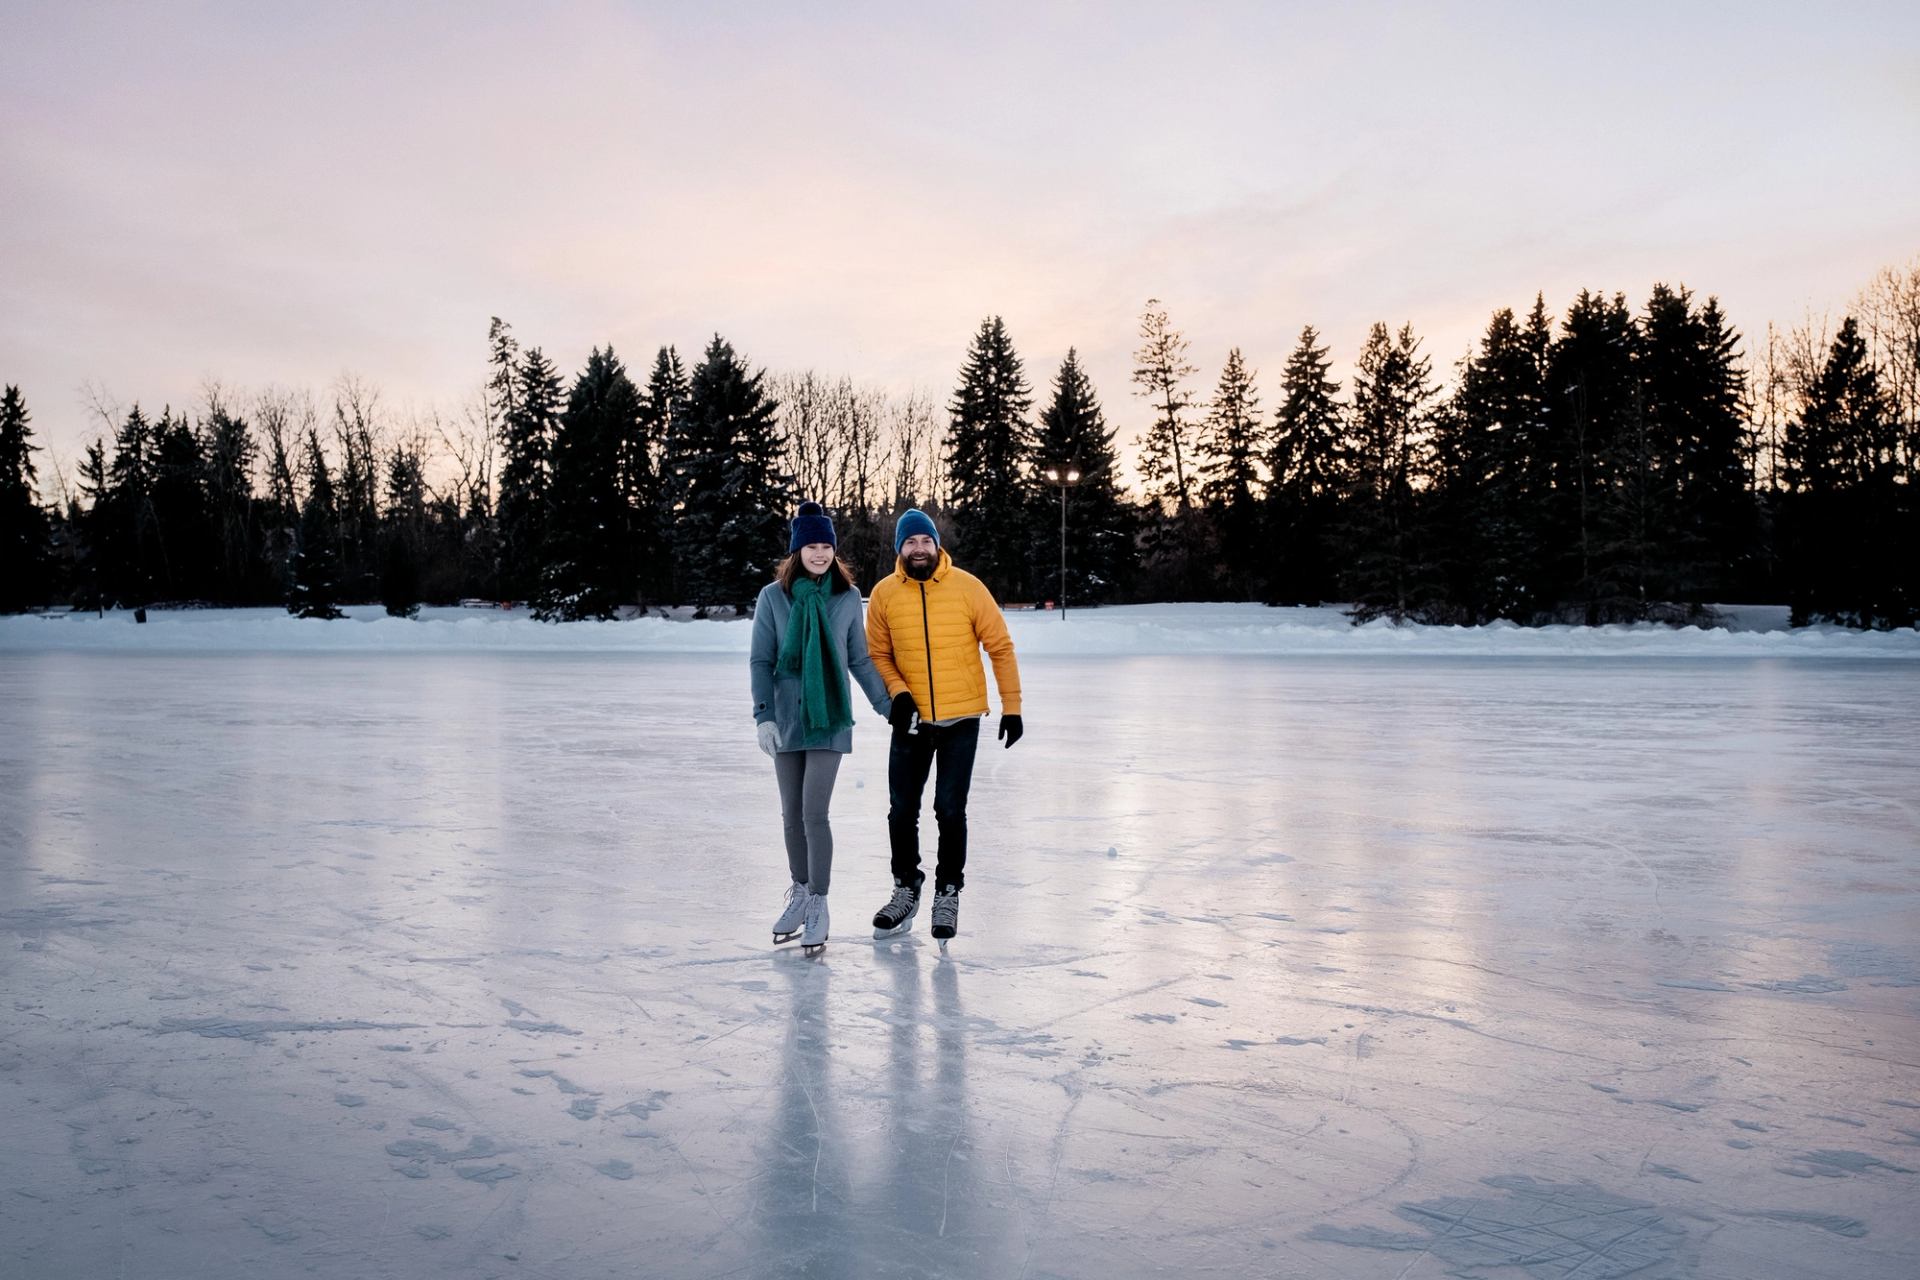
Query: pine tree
column 1309, row 470
column 989, row 451
column 1388, row 574
column 642, row 544
column 734, row 498
column 588, row 573
column 92, row 528
column 1589, row 456
column 663, row 417
column 1842, row 512
column 403, row 534
column 316, row 562
column 530, row 423
column 129, row 542
column 1693, row 390
column 183, row 513
column 1231, row 488
column 1483, row 444
column 1100, row 520
column 230, row 451
column 23, row 523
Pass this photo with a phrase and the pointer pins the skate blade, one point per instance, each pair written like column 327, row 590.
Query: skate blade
column 779, row 938
column 813, row 948
column 897, row 931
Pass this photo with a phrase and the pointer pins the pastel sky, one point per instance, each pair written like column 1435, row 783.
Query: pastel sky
column 271, row 193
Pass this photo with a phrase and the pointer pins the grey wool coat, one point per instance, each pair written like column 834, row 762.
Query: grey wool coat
column 776, row 695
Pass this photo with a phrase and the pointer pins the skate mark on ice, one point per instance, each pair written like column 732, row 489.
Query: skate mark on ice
column 583, row 1109
column 1694, row 984
column 1603, row 1088
column 394, row 1048
column 1846, row 1120
column 1299, row 1040
column 1809, row 984
column 349, row 1099
column 272, row 1228
column 1087, row 973
column 1668, row 1171
column 1839, row 1226
column 1910, row 1138
column 1739, row 1144
column 490, row 1174
column 1241, row 1045
column 542, row 1028
column 1751, row 1126
column 1831, row 1163
column 1671, row 1105
column 1154, row 1017
column 619, row 1170
column 432, row 1231
column 258, row 1031
column 1546, row 1230
column 1202, row 1000
column 438, row 1123
column 515, row 1009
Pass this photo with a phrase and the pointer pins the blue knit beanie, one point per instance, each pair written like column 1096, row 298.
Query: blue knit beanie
column 810, row 524
column 913, row 521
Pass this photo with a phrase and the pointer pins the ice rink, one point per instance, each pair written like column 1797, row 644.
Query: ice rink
column 457, row 965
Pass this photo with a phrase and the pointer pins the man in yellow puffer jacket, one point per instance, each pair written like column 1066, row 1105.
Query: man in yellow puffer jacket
column 926, row 624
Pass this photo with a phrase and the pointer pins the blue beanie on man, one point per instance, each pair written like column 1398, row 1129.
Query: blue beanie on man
column 913, row 521
column 810, row 524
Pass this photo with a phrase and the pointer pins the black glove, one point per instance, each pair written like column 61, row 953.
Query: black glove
column 901, row 716
column 1011, row 728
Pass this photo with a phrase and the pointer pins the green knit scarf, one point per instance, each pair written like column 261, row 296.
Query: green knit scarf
column 807, row 651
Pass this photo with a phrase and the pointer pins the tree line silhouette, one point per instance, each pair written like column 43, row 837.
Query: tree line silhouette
column 1604, row 465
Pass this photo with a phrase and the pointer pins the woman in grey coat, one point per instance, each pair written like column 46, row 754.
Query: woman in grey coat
column 809, row 632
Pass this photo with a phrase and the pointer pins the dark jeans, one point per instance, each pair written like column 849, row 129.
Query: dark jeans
column 912, row 756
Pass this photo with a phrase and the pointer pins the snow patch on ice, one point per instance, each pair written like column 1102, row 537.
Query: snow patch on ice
column 1158, row 629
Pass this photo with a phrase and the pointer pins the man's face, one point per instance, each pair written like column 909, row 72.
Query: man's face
column 919, row 551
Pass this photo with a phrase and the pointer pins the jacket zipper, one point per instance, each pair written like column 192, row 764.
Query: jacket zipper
column 926, row 629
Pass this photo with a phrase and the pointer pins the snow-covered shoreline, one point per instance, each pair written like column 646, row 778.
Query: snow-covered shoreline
column 1158, row 629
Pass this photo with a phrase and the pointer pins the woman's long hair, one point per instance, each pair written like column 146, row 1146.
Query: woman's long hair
column 790, row 570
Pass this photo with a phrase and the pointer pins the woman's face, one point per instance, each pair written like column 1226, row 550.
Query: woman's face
column 815, row 557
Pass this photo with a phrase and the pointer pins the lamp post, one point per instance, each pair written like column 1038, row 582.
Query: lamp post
column 1062, row 476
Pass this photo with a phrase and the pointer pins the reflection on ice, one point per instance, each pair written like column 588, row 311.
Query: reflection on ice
column 352, row 964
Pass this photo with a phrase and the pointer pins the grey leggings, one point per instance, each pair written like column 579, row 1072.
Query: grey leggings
column 806, row 789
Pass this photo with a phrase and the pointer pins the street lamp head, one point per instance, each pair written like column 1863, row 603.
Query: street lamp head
column 1073, row 475
column 1052, row 474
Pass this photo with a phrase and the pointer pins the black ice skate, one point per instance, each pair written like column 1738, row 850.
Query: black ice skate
column 946, row 912
column 896, row 917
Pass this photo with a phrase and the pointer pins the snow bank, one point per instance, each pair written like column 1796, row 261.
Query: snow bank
column 1749, row 631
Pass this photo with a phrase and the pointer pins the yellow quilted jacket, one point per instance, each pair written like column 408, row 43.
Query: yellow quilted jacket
column 926, row 637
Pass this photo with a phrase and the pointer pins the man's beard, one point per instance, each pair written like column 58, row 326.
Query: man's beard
column 919, row 568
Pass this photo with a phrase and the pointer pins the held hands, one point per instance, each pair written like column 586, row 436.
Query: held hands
column 903, row 712
column 1011, row 729
column 769, row 734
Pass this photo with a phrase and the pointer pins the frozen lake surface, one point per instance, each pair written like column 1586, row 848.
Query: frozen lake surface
column 419, row 965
